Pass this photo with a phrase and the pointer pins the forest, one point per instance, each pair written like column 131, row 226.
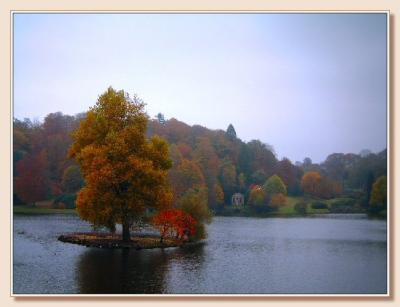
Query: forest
column 208, row 167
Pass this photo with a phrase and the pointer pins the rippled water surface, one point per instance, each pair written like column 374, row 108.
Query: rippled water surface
column 327, row 254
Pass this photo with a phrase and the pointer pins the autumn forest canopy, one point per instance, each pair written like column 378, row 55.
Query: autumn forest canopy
column 116, row 164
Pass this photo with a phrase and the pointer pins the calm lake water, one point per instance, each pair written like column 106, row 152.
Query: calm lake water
column 327, row 254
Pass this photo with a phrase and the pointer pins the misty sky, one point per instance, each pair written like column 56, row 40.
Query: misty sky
column 308, row 84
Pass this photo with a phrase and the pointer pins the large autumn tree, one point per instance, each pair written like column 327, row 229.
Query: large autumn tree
column 124, row 172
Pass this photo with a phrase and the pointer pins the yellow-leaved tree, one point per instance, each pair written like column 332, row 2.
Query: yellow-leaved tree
column 124, row 172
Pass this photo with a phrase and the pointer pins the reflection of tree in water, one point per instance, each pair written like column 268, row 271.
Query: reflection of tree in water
column 185, row 270
column 122, row 271
column 130, row 271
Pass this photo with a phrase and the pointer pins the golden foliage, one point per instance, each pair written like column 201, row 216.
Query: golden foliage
column 124, row 172
column 379, row 193
column 310, row 182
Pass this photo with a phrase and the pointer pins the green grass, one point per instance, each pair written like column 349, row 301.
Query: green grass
column 288, row 209
column 283, row 211
column 34, row 210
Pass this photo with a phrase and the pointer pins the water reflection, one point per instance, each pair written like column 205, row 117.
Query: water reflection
column 241, row 255
column 124, row 271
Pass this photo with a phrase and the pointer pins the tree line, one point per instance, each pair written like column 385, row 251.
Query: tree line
column 208, row 166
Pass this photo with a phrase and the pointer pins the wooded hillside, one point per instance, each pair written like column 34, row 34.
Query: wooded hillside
column 213, row 164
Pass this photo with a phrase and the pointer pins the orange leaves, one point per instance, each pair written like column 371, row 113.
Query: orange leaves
column 310, row 183
column 124, row 172
column 185, row 150
column 175, row 223
column 157, row 150
column 318, row 186
column 277, row 200
column 185, row 175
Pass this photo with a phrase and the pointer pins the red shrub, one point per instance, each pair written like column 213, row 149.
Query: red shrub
column 175, row 223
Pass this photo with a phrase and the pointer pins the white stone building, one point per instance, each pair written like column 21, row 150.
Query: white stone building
column 238, row 200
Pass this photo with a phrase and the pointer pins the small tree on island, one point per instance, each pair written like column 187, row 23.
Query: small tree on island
column 194, row 202
column 124, row 172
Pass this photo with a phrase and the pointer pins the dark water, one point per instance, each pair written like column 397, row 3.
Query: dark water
column 335, row 254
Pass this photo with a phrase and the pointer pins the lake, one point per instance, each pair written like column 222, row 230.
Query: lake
column 311, row 255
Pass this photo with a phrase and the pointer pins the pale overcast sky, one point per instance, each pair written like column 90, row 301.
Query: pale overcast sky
column 308, row 84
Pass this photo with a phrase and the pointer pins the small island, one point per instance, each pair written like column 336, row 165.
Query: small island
column 126, row 182
column 115, row 241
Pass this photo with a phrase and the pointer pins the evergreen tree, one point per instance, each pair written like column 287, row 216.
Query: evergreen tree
column 230, row 132
column 160, row 118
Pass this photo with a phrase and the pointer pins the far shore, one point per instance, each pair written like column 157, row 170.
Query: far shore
column 287, row 210
column 28, row 210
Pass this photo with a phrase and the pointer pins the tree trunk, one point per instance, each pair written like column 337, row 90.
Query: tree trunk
column 126, row 235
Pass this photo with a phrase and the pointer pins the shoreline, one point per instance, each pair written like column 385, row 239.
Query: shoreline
column 110, row 241
column 23, row 210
